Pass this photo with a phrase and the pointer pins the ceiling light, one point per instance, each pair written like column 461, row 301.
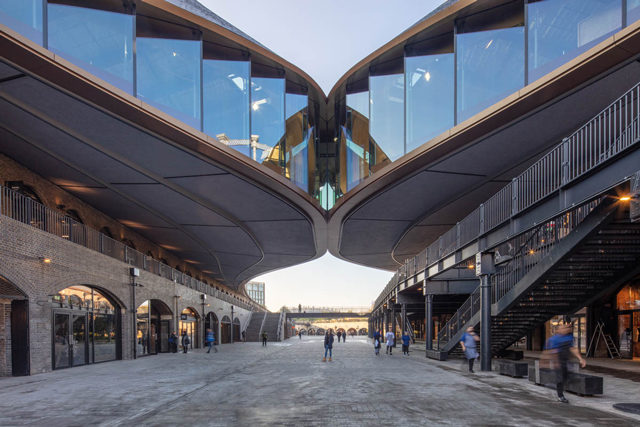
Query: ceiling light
column 174, row 54
column 489, row 44
column 427, row 76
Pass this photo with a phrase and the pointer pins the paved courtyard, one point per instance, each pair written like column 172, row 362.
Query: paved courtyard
column 287, row 384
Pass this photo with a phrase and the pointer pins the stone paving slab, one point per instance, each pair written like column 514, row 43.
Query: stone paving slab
column 288, row 384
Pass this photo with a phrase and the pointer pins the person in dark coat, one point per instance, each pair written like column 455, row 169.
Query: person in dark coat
column 339, row 335
column 185, row 342
column 328, row 345
column 173, row 342
column 211, row 340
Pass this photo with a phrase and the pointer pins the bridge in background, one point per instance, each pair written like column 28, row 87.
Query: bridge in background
column 326, row 312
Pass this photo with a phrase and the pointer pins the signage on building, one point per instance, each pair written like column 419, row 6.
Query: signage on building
column 183, row 317
column 634, row 203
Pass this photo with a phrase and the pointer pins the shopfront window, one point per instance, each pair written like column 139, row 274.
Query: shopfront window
column 267, row 121
column 226, row 102
column 559, row 30
column 430, row 98
column 100, row 41
column 490, row 66
column 628, row 305
column 24, row 17
column 85, row 327
column 189, row 326
column 386, row 115
column 168, row 68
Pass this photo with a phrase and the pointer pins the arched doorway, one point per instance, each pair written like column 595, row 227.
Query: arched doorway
column 320, row 331
column 14, row 343
column 189, row 324
column 211, row 322
column 352, row 332
column 154, row 325
column 225, row 330
column 341, row 330
column 362, row 331
column 236, row 329
column 86, row 327
column 311, row 332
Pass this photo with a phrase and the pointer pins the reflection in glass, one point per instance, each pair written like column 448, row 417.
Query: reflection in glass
column 79, row 343
column 559, row 30
column 61, row 341
column 386, row 110
column 490, row 66
column 633, row 11
column 226, row 101
column 267, row 121
column 97, row 40
column 169, row 76
column 429, row 95
column 355, row 146
column 104, row 337
column 142, row 332
column 24, row 17
column 297, row 141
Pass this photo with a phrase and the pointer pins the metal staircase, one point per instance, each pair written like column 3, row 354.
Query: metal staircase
column 556, row 268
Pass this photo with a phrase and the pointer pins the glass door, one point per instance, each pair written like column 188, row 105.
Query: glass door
column 79, row 342
column 61, row 347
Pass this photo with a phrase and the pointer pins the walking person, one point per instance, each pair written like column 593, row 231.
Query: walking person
column 406, row 340
column 391, row 337
column 468, row 342
column 328, row 345
column 376, row 344
column 185, row 342
column 264, row 338
column 211, row 340
column 344, row 337
column 339, row 335
column 173, row 342
column 244, row 336
column 376, row 336
column 560, row 347
column 300, row 334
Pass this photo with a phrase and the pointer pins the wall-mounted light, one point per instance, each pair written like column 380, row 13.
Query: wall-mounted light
column 45, row 260
column 624, row 198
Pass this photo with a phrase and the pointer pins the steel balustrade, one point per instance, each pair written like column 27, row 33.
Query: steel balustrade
column 28, row 211
column 609, row 133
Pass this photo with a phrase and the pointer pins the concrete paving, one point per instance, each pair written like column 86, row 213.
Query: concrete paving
column 288, row 384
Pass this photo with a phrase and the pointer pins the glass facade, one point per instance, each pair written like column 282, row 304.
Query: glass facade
column 255, row 291
column 225, row 101
column 267, row 121
column 394, row 106
column 99, row 41
column 559, row 30
column 429, row 95
column 168, row 71
column 490, row 66
column 386, row 116
column 24, row 17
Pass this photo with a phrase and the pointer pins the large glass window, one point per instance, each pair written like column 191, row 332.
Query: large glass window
column 559, row 30
column 23, row 16
column 226, row 102
column 386, row 115
column 355, row 139
column 633, row 11
column 267, row 121
column 100, row 41
column 490, row 66
column 429, row 97
column 169, row 69
column 297, row 141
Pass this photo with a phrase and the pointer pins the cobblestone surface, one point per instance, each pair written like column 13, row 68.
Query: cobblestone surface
column 288, row 384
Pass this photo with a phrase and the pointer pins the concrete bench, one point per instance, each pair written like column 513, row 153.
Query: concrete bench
column 579, row 383
column 436, row 354
column 511, row 354
column 512, row 368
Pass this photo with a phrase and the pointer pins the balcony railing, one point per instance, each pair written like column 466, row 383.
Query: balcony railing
column 612, row 131
column 26, row 210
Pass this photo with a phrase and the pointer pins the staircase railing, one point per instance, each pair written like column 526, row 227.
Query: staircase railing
column 612, row 131
column 533, row 246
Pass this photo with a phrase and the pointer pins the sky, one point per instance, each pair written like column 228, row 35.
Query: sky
column 324, row 38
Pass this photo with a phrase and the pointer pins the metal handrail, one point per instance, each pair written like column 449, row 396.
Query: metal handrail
column 612, row 131
column 28, row 211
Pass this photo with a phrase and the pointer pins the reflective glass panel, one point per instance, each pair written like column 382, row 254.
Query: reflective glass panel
column 297, row 141
column 355, row 140
column 169, row 76
column 633, row 11
column 61, row 343
column 267, row 120
column 490, row 66
column 24, row 17
column 559, row 30
column 386, row 110
column 97, row 40
column 104, row 337
column 429, row 95
column 226, row 101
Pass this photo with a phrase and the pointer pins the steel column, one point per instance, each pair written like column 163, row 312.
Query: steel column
column 428, row 324
column 485, row 323
column 403, row 317
column 394, row 324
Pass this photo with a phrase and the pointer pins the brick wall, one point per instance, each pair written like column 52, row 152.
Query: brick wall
column 5, row 337
column 21, row 249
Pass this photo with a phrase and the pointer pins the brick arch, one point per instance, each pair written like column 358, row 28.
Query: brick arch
column 118, row 293
column 18, row 280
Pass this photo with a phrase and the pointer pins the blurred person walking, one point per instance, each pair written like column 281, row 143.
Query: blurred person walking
column 328, row 345
column 468, row 342
column 559, row 348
